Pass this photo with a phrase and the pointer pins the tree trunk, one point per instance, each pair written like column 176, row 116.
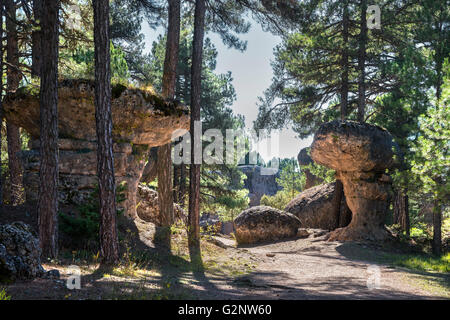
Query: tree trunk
column 165, row 179
column 182, row 192
column 344, row 63
column 1, row 99
column 36, row 63
column 150, row 170
column 362, row 62
column 437, row 232
column 109, row 245
column 13, row 80
column 401, row 210
column 194, row 172
column 48, row 173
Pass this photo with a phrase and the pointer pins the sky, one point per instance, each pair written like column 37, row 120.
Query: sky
column 252, row 74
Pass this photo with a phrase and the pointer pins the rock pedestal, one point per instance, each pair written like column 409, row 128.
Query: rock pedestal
column 141, row 120
column 360, row 153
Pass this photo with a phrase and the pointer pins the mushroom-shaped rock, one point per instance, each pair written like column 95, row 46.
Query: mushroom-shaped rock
column 360, row 153
column 139, row 116
column 141, row 119
column 19, row 253
column 304, row 159
column 315, row 206
column 263, row 223
column 148, row 206
column 353, row 146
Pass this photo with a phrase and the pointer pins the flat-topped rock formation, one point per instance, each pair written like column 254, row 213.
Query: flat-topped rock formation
column 139, row 116
column 141, row 119
column 360, row 153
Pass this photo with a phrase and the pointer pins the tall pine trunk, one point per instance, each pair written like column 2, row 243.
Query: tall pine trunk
column 13, row 80
column 194, row 172
column 1, row 99
column 339, row 191
column 362, row 62
column 165, row 178
column 437, row 229
column 36, row 60
column 109, row 244
column 48, row 173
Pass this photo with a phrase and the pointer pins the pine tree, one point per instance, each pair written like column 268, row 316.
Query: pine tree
column 109, row 246
column 48, row 174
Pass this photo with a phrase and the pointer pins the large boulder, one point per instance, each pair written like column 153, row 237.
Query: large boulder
column 148, row 207
column 259, row 184
column 315, row 207
column 352, row 146
column 19, row 253
column 263, row 223
column 360, row 153
column 139, row 116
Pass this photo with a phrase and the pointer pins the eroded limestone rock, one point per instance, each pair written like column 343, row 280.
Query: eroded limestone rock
column 259, row 184
column 360, row 153
column 263, row 223
column 314, row 207
column 139, row 116
column 141, row 119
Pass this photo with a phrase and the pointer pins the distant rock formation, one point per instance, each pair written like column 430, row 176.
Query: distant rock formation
column 303, row 160
column 315, row 206
column 263, row 223
column 259, row 185
column 360, row 153
column 140, row 120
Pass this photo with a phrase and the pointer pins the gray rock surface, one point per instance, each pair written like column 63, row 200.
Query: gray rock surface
column 19, row 253
column 263, row 223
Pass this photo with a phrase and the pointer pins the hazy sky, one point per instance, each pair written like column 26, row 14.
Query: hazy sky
column 252, row 74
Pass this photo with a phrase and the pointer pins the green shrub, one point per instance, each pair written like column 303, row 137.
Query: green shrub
column 278, row 200
column 84, row 226
column 3, row 295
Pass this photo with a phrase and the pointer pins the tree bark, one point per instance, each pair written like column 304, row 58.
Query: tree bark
column 344, row 63
column 150, row 171
column 194, row 172
column 362, row 62
column 109, row 244
column 437, row 232
column 13, row 80
column 36, row 63
column 1, row 99
column 401, row 210
column 48, row 173
column 164, row 163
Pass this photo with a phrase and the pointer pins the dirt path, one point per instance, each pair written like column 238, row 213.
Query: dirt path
column 317, row 269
